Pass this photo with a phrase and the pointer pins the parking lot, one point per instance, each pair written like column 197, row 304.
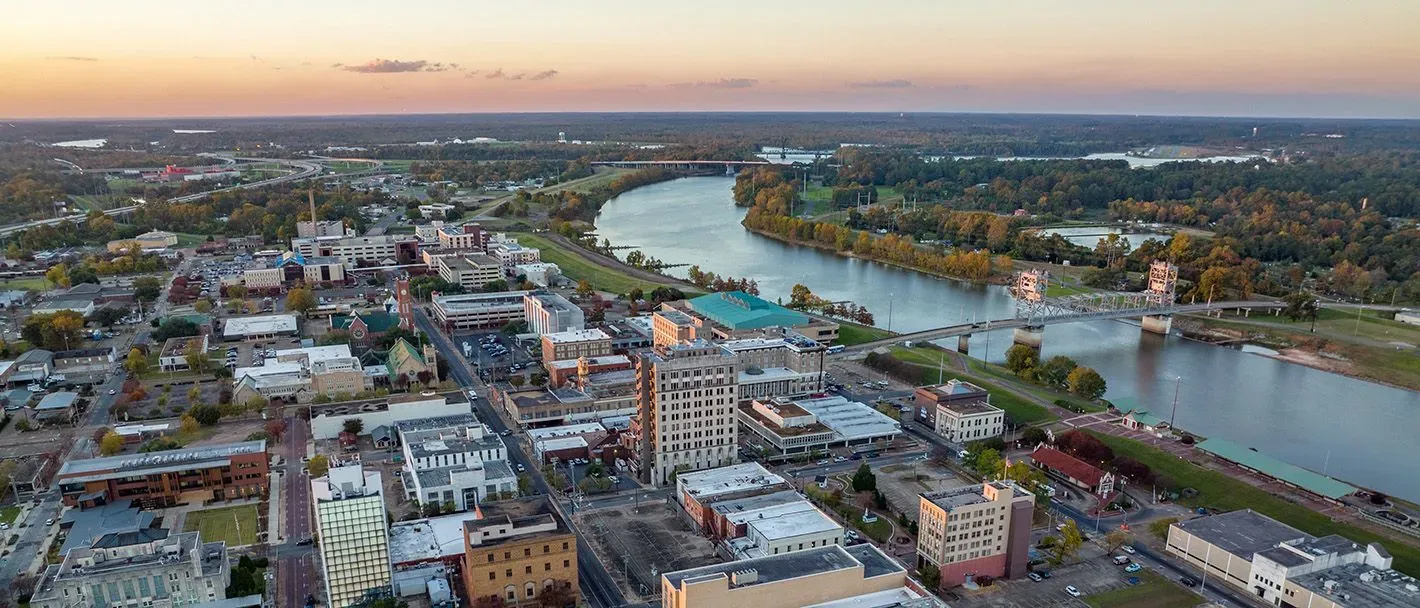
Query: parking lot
column 491, row 352
column 636, row 544
column 1095, row 574
column 901, row 483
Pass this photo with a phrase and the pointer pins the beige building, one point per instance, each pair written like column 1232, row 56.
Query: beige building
column 151, row 566
column 570, row 345
column 975, row 531
column 352, row 534
column 791, row 580
column 156, row 239
column 511, row 254
column 479, row 310
column 686, row 419
column 962, row 422
column 471, row 271
column 549, row 313
column 1283, row 566
column 780, row 364
column 670, row 326
column 518, row 551
column 353, row 249
column 470, row 237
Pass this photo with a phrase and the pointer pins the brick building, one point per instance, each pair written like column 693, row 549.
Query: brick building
column 218, row 472
column 518, row 551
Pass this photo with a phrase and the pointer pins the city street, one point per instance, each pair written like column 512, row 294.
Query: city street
column 296, row 565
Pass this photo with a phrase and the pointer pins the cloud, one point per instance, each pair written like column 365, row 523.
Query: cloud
column 72, row 58
column 543, row 75
column 394, row 66
column 498, row 73
column 881, row 84
column 723, row 83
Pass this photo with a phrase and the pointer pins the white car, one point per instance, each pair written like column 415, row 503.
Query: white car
column 1127, row 549
column 1070, row 589
column 112, row 392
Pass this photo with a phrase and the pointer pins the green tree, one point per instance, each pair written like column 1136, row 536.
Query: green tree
column 987, row 463
column 147, row 289
column 58, row 275
column 196, row 358
column 931, row 576
column 1086, row 382
column 237, row 292
column 1070, row 541
column 136, row 363
column 202, row 306
column 301, row 300
column 111, row 444
column 1300, row 305
column 1034, row 436
column 1056, row 370
column 319, row 465
column 1020, row 358
column 584, row 288
column 864, row 480
column 354, row 426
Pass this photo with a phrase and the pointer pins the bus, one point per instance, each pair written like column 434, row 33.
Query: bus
column 836, row 348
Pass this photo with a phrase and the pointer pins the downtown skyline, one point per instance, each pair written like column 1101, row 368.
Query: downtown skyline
column 156, row 58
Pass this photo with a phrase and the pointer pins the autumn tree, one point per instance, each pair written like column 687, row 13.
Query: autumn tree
column 58, row 275
column 188, row 423
column 318, row 466
column 136, row 363
column 1086, row 382
column 111, row 444
column 301, row 300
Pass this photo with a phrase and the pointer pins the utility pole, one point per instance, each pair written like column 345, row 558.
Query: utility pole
column 1174, row 415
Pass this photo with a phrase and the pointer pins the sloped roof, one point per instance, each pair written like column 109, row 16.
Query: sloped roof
column 377, row 322
column 739, row 310
column 401, row 352
column 1069, row 465
column 1307, row 480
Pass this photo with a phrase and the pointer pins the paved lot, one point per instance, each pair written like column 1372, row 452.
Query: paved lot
column 1090, row 576
column 897, row 482
column 486, row 364
column 637, row 544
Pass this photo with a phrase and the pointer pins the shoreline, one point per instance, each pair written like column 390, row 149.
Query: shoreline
column 1290, row 354
column 993, row 280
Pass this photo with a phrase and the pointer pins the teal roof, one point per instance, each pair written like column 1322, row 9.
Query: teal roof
column 1145, row 418
column 378, row 322
column 739, row 310
column 1315, row 483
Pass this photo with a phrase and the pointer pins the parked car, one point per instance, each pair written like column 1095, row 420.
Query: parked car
column 1070, row 589
column 1127, row 549
column 1120, row 560
column 1034, row 577
column 1132, row 568
column 1188, row 581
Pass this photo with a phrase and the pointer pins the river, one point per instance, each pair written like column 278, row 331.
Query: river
column 1357, row 431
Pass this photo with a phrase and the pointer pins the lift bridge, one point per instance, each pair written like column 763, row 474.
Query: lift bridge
column 1155, row 307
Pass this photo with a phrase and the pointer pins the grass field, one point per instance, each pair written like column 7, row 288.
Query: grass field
column 1218, row 491
column 579, row 268
column 193, row 240
column 1021, row 410
column 853, row 333
column 8, row 514
column 1153, row 591
column 236, row 525
column 1365, row 340
column 397, row 166
column 35, row 283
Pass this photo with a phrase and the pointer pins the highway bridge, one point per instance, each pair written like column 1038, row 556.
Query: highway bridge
column 682, row 164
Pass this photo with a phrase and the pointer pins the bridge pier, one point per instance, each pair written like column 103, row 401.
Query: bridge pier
column 1157, row 324
column 1030, row 336
column 964, row 344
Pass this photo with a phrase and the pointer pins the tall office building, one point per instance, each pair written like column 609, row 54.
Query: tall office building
column 352, row 533
column 685, row 420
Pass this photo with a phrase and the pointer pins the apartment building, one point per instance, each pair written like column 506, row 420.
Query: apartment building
column 401, row 249
column 511, row 254
column 471, row 271
column 150, row 567
column 574, row 344
column 479, row 310
column 159, row 479
column 549, row 313
column 351, row 530
column 861, row 576
column 463, row 464
column 1281, row 565
column 964, row 421
column 975, row 531
column 520, row 550
column 469, row 237
column 685, row 418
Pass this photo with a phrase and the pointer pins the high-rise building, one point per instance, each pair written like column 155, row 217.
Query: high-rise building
column 352, row 532
column 685, row 420
column 549, row 313
column 975, row 531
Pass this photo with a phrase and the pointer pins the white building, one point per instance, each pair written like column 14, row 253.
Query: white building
column 479, row 310
column 150, row 567
column 300, row 374
column 328, row 420
column 259, row 328
column 433, row 210
column 512, row 254
column 963, row 422
column 816, row 422
column 469, row 237
column 777, row 366
column 323, row 228
column 429, row 233
column 354, row 249
column 549, row 313
column 782, row 529
column 471, row 271
column 352, row 535
column 463, row 464
column 542, row 274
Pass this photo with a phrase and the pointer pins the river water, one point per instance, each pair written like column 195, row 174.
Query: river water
column 1357, row 431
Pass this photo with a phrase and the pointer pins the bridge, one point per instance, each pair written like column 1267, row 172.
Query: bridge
column 730, row 165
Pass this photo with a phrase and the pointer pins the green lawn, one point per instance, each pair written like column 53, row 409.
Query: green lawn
column 853, row 333
column 35, row 283
column 398, row 166
column 192, row 240
column 236, row 525
column 1218, row 491
column 579, row 268
column 8, row 514
column 1021, row 410
column 1153, row 591
column 879, row 530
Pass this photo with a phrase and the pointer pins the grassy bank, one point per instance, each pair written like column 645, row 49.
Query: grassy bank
column 1218, row 491
column 853, row 333
column 1021, row 410
column 579, row 268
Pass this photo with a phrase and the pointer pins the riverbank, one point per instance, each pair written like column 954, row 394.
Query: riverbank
column 995, row 278
column 605, row 273
column 1368, row 347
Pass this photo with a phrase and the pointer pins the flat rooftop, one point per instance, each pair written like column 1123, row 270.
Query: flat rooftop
column 724, row 480
column 793, row 523
column 796, row 564
column 1243, row 533
column 476, row 302
column 215, row 455
column 1310, row 481
column 565, row 430
column 576, row 335
column 731, row 508
column 970, row 408
column 897, row 597
column 850, row 420
column 602, row 360
column 956, row 497
column 1361, row 586
column 955, row 388
column 270, row 324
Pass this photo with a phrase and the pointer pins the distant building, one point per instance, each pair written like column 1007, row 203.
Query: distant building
column 1281, row 565
column 467, row 237
column 370, row 250
column 779, row 364
column 323, row 228
column 975, row 531
column 685, row 418
column 298, row 375
column 511, row 254
column 259, row 328
column 520, row 549
column 173, row 356
column 365, row 327
column 436, row 210
column 698, row 491
column 541, row 274
column 593, row 397
column 573, row 344
column 566, row 370
column 149, row 566
column 861, row 576
column 814, row 423
column 471, row 271
column 673, row 327
column 292, row 268
column 549, row 313
column 351, row 530
column 156, row 239
column 159, row 479
column 1074, row 471
column 327, row 420
column 734, row 312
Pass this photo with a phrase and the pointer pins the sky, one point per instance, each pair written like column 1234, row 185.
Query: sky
column 159, row 58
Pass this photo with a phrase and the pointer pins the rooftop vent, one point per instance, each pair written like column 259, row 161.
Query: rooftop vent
column 744, row 577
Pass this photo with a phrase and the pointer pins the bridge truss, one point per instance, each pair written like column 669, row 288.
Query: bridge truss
column 1030, row 289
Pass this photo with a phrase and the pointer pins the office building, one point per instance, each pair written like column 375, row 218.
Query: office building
column 1283, row 566
column 479, row 310
column 734, row 312
column 549, row 313
column 685, row 419
column 256, row 329
column 351, row 535
column 160, row 479
column 567, row 370
column 587, row 398
column 541, row 274
column 673, row 327
column 698, row 491
column 323, row 228
column 861, row 576
column 975, row 531
column 926, row 399
column 471, row 271
column 574, row 344
column 148, row 567
column 369, row 250
column 462, row 464
column 796, row 425
column 782, row 363
column 966, row 421
column 469, row 237
column 293, row 268
column 520, row 550
column 779, row 529
column 511, row 254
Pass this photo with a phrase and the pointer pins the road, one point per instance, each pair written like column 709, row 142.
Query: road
column 597, row 586
column 295, row 564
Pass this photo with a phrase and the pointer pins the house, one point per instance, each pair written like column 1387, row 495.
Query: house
column 383, row 436
column 404, row 360
column 1074, row 471
column 365, row 327
column 173, row 357
column 1142, row 420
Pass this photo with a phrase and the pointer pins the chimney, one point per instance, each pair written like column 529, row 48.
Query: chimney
column 311, row 194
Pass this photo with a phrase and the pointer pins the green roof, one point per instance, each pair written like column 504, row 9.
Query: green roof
column 739, row 310
column 378, row 322
column 1315, row 483
column 1145, row 418
column 399, row 353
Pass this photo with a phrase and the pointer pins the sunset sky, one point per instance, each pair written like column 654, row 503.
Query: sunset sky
column 105, row 58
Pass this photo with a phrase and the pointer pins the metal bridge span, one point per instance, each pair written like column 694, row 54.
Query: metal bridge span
column 1037, row 323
